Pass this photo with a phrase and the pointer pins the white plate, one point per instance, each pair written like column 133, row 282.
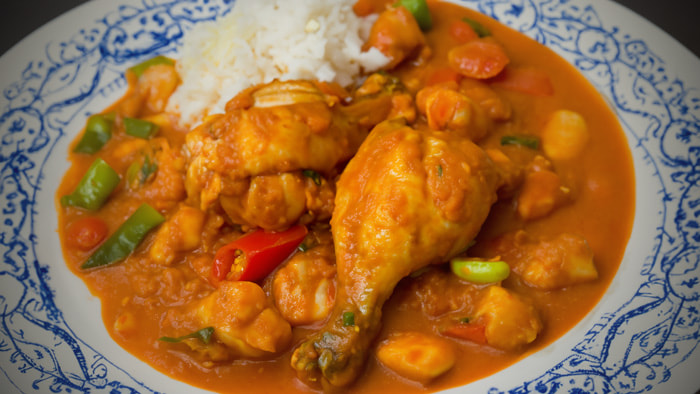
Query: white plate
column 641, row 337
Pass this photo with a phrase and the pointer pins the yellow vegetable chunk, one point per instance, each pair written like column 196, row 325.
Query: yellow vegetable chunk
column 565, row 135
column 416, row 356
column 511, row 322
column 182, row 232
column 304, row 288
column 244, row 320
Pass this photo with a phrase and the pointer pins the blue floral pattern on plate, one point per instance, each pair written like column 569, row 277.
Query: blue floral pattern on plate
column 633, row 348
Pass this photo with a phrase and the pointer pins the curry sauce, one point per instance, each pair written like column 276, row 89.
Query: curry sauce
column 164, row 287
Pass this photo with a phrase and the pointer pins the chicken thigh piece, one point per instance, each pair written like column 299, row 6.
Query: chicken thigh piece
column 257, row 152
column 409, row 198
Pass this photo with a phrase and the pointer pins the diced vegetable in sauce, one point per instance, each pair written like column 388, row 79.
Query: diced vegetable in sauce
column 139, row 128
column 94, row 188
column 126, row 239
column 422, row 226
column 480, row 30
column 420, row 11
column 521, row 140
column 253, row 256
column 97, row 132
column 203, row 335
column 480, row 271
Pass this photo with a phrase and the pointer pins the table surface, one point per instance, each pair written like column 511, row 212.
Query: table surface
column 676, row 17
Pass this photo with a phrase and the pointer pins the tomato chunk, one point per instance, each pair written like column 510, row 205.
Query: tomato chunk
column 443, row 75
column 525, row 80
column 86, row 233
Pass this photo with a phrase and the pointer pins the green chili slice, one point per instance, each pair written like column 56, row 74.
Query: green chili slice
column 141, row 67
column 203, row 335
column 127, row 237
column 315, row 176
column 420, row 11
column 94, row 188
column 522, row 140
column 140, row 128
column 97, row 132
column 348, row 319
column 478, row 28
column 480, row 271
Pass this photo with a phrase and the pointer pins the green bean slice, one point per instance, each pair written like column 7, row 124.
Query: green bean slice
column 477, row 271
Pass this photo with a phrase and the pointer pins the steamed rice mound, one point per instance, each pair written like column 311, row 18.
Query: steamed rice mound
column 263, row 40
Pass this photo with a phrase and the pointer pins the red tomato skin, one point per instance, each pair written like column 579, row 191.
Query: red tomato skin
column 86, row 233
column 525, row 80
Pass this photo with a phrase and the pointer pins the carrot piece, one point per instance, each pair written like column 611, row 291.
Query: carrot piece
column 363, row 7
column 525, row 80
column 462, row 31
column 478, row 59
column 443, row 75
column 474, row 332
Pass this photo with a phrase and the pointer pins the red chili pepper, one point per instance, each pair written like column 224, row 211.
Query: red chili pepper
column 253, row 256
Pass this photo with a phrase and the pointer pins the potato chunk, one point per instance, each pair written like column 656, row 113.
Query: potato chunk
column 511, row 322
column 563, row 261
column 565, row 135
column 182, row 232
column 244, row 320
column 547, row 263
column 304, row 288
column 416, row 356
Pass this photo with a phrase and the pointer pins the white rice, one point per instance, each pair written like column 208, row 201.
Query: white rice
column 263, row 40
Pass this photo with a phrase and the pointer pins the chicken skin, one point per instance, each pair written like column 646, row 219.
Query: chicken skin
column 278, row 131
column 409, row 198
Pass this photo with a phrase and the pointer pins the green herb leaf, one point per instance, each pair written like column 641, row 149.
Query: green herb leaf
column 439, row 170
column 465, row 320
column 148, row 168
column 348, row 319
column 479, row 29
column 315, row 176
column 203, row 335
column 138, row 173
column 528, row 141
column 302, row 247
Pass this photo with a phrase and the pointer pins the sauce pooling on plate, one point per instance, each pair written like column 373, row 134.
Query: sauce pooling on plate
column 428, row 226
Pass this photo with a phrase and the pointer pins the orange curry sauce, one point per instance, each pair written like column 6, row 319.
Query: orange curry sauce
column 601, row 211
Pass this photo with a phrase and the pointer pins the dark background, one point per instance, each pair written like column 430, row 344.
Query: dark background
column 679, row 18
